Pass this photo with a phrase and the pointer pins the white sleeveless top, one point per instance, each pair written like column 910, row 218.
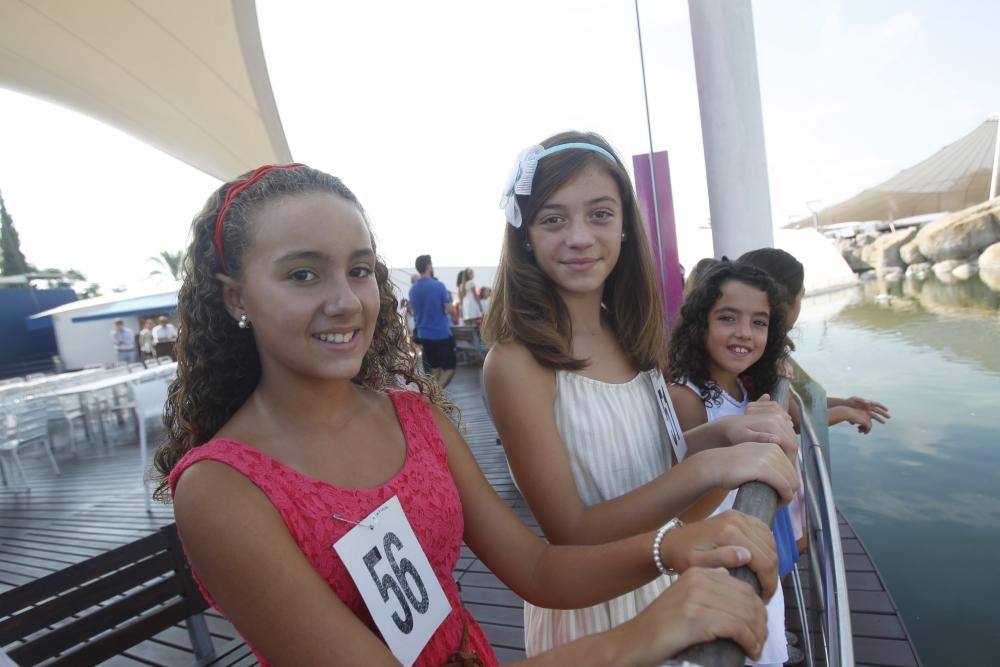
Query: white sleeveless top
column 775, row 650
column 616, row 442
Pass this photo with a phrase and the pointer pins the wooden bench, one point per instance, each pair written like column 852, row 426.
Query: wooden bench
column 99, row 608
column 469, row 344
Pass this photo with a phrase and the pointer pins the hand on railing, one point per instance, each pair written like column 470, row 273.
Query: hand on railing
column 760, row 501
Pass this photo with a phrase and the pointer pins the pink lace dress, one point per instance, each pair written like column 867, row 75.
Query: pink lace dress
column 424, row 487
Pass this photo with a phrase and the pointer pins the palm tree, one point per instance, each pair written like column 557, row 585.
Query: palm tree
column 168, row 264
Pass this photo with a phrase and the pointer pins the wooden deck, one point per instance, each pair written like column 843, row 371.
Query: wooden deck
column 97, row 504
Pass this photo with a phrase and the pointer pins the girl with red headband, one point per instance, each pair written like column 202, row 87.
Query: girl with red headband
column 322, row 506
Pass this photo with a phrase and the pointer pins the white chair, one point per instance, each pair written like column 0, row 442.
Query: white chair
column 136, row 366
column 24, row 423
column 163, row 361
column 69, row 409
column 149, row 399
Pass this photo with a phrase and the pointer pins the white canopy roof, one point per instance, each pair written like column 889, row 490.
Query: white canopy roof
column 186, row 76
column 954, row 178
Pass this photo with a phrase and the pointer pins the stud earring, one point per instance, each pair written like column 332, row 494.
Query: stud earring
column 244, row 322
column 527, row 246
column 623, row 237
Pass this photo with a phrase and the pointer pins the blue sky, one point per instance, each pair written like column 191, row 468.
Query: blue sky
column 421, row 108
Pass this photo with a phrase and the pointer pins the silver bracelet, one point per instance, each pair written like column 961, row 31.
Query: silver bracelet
column 664, row 529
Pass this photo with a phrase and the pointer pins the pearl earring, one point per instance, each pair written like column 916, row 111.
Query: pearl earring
column 527, row 246
column 244, row 322
column 623, row 237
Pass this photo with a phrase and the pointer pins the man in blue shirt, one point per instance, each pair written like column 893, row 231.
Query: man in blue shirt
column 431, row 302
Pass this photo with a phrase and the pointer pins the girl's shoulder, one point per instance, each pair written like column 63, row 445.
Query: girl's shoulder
column 512, row 364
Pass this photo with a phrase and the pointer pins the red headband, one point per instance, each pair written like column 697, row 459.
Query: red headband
column 234, row 191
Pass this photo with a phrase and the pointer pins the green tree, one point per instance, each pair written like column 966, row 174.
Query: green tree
column 168, row 264
column 12, row 262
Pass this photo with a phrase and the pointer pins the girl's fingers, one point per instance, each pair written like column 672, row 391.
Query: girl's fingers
column 738, row 611
column 722, row 557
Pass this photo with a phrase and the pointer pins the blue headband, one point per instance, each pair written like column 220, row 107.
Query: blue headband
column 523, row 174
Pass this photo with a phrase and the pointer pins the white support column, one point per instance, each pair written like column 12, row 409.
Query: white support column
column 732, row 125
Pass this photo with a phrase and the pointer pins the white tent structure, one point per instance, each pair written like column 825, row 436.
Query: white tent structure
column 185, row 76
column 958, row 176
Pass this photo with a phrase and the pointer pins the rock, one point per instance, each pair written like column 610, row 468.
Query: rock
column 893, row 274
column 853, row 259
column 945, row 267
column 865, row 238
column 867, row 275
column 883, row 253
column 990, row 275
column 910, row 253
column 990, row 258
column 961, row 234
column 965, row 270
column 919, row 270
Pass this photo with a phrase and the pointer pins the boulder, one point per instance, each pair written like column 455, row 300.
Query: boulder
column 853, row 259
column 947, row 266
column 865, row 238
column 990, row 275
column 918, row 270
column 910, row 253
column 990, row 258
column 965, row 270
column 961, row 234
column 893, row 274
column 883, row 253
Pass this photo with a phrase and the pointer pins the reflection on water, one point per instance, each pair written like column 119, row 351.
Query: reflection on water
column 923, row 492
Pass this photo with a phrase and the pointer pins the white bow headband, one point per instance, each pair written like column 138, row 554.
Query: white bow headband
column 523, row 174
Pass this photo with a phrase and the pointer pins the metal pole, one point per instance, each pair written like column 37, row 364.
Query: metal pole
column 652, row 167
column 996, row 157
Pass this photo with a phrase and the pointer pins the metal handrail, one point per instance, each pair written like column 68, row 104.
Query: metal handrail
column 826, row 558
column 827, row 562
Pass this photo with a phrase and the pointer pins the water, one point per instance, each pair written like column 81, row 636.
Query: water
column 923, row 491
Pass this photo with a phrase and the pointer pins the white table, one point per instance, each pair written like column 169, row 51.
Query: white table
column 81, row 390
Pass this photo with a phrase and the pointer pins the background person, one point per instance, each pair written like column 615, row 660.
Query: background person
column 164, row 338
column 123, row 340
column 432, row 310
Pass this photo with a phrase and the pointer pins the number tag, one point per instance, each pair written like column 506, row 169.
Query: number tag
column 395, row 579
column 669, row 416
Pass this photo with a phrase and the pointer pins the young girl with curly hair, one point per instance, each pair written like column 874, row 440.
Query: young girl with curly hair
column 574, row 382
column 789, row 274
column 726, row 350
column 322, row 505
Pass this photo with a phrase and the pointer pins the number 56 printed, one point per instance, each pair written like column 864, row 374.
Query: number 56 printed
column 395, row 580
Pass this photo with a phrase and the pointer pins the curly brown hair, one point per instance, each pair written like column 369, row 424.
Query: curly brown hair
column 218, row 365
column 526, row 306
column 689, row 360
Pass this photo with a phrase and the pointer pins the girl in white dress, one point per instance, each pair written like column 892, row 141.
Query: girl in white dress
column 472, row 308
column 573, row 376
column 728, row 347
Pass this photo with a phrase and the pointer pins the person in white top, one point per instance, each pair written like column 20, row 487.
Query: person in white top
column 472, row 308
column 572, row 379
column 164, row 337
column 727, row 348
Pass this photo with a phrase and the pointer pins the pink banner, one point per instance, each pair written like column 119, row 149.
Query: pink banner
column 655, row 199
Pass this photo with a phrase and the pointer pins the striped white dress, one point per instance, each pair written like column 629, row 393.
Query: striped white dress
column 616, row 442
